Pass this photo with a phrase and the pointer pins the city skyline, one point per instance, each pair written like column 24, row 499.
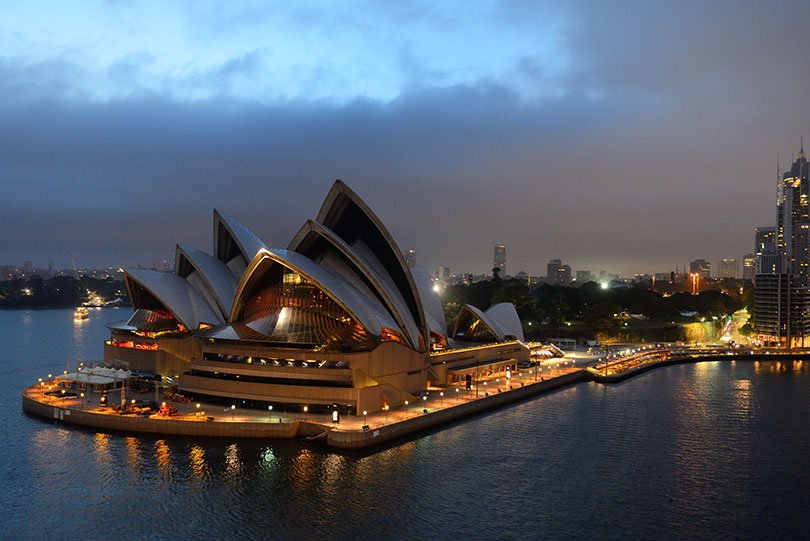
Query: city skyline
column 566, row 136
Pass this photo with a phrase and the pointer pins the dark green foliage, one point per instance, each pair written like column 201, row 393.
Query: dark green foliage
column 59, row 291
column 570, row 308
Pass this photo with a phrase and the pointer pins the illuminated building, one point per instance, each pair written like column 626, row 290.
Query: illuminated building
column 701, row 267
column 336, row 319
column 728, row 268
column 749, row 265
column 782, row 280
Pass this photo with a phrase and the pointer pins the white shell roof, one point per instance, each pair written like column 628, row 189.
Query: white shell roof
column 374, row 273
column 501, row 319
column 368, row 312
column 219, row 278
column 330, row 214
column 434, row 312
column 176, row 294
column 505, row 316
column 247, row 241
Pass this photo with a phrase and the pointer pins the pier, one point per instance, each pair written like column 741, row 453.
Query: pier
column 438, row 407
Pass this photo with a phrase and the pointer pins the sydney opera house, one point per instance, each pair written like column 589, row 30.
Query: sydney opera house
column 335, row 320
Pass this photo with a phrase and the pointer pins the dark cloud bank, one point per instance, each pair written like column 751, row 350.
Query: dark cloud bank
column 661, row 148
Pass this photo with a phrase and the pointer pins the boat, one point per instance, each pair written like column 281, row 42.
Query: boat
column 81, row 313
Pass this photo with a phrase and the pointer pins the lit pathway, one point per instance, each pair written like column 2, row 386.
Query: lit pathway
column 435, row 399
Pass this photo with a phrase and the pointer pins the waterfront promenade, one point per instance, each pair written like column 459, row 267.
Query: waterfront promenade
column 649, row 357
column 436, row 407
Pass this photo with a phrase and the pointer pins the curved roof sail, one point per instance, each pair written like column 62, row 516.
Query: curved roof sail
column 175, row 294
column 353, row 221
column 234, row 244
column 356, row 305
column 209, row 275
column 434, row 312
column 506, row 317
column 501, row 321
column 322, row 245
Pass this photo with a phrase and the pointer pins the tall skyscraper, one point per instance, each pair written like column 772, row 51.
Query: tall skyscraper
column 728, row 268
column 499, row 259
column 782, row 280
column 410, row 257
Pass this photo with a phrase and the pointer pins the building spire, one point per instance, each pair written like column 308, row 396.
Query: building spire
column 801, row 147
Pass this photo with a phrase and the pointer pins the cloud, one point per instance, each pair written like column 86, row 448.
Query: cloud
column 651, row 141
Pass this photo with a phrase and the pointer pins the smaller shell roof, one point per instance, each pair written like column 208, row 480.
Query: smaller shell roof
column 501, row 319
column 219, row 278
column 187, row 305
column 505, row 316
column 248, row 242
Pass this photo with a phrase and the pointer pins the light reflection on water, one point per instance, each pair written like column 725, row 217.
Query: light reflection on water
column 707, row 450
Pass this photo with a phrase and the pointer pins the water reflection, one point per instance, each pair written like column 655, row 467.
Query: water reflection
column 196, row 458
column 233, row 461
column 163, row 457
column 133, row 453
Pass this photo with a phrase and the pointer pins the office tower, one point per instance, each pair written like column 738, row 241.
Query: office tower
column 499, row 259
column 782, row 279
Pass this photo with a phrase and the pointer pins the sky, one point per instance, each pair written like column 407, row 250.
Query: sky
column 626, row 136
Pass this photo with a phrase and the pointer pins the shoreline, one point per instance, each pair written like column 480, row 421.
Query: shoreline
column 354, row 433
column 411, row 422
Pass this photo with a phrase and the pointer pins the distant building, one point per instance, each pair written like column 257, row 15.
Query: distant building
column 523, row 276
column 499, row 259
column 558, row 273
column 782, row 266
column 410, row 257
column 443, row 273
column 662, row 276
column 749, row 266
column 701, row 267
column 584, row 276
column 606, row 277
column 728, row 268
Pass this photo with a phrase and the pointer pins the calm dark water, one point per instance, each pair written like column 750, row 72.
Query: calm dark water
column 712, row 451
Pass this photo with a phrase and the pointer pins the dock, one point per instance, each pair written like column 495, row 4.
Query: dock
column 438, row 408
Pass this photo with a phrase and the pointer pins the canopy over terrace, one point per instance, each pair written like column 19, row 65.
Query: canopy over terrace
column 98, row 377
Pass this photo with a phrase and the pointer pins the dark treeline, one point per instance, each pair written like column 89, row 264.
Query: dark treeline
column 60, row 291
column 595, row 308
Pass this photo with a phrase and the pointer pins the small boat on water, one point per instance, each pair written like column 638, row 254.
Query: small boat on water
column 81, row 313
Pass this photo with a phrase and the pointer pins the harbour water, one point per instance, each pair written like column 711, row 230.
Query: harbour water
column 711, row 450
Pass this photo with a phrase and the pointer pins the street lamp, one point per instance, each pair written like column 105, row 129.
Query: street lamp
column 82, row 397
column 197, row 405
column 364, row 418
column 458, row 398
column 441, row 398
column 233, row 407
column 406, row 409
column 306, row 409
column 386, row 408
column 270, row 409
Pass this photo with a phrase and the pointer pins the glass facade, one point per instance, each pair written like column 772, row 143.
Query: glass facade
column 285, row 307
